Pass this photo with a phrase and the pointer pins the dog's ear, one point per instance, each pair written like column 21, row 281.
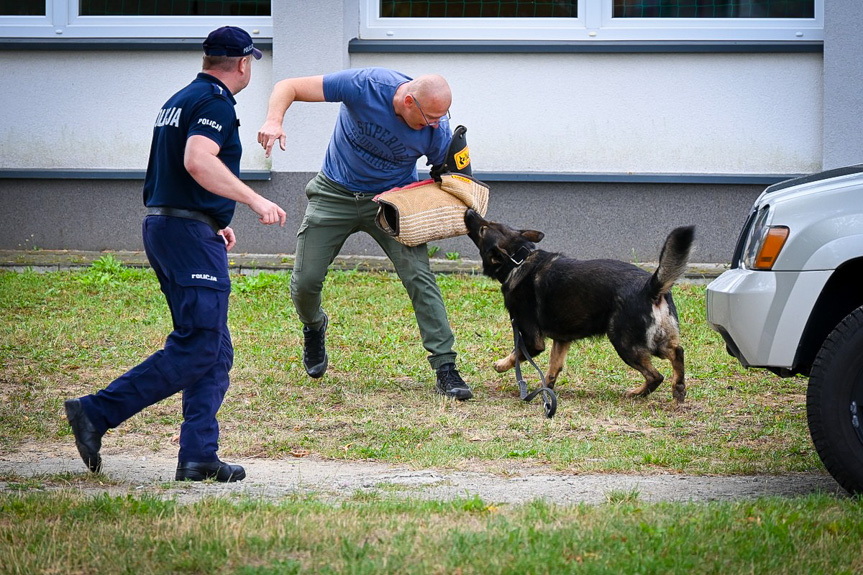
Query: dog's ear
column 532, row 235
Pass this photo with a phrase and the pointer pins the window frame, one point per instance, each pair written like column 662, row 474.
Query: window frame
column 62, row 21
column 594, row 23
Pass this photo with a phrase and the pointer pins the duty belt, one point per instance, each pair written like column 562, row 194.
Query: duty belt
column 188, row 214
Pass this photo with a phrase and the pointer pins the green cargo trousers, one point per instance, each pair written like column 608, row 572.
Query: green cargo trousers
column 332, row 215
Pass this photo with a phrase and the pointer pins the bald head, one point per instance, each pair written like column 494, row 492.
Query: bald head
column 434, row 89
column 423, row 101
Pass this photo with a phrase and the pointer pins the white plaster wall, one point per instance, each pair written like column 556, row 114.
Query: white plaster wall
column 644, row 113
column 96, row 109
column 617, row 113
column 843, row 100
column 309, row 39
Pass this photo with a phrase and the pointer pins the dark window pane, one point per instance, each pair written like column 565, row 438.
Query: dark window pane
column 714, row 8
column 22, row 7
column 479, row 9
column 174, row 7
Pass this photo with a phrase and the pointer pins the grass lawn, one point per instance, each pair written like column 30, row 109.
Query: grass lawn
column 65, row 334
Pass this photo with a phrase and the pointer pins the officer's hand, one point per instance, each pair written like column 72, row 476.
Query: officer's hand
column 269, row 133
column 269, row 212
column 230, row 238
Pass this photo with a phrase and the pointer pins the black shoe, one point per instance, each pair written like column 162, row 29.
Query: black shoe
column 450, row 383
column 218, row 470
column 87, row 439
column 315, row 358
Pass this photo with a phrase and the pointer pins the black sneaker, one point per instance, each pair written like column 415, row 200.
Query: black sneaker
column 315, row 358
column 450, row 383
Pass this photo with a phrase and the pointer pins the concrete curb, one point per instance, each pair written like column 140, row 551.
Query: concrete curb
column 58, row 260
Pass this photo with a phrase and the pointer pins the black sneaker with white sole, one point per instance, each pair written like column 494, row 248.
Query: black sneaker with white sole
column 450, row 383
column 315, row 358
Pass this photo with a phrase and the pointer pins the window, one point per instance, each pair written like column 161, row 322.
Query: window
column 714, row 9
column 175, row 8
column 478, row 9
column 22, row 8
column 131, row 18
column 593, row 20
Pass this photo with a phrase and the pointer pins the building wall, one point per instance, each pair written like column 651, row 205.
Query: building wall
column 740, row 113
column 678, row 116
column 588, row 220
column 94, row 110
column 843, row 76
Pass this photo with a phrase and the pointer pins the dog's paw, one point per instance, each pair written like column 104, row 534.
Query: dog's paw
column 502, row 365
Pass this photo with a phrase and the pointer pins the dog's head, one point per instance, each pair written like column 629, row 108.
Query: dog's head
column 500, row 247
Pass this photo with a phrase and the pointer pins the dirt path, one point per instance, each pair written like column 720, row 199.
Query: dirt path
column 147, row 472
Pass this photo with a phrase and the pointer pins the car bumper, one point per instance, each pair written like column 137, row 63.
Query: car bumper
column 736, row 298
column 747, row 307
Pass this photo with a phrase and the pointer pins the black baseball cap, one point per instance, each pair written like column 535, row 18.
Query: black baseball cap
column 230, row 41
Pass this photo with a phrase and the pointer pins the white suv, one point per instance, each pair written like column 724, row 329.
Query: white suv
column 792, row 302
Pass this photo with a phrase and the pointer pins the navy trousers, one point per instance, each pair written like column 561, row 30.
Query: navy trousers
column 191, row 263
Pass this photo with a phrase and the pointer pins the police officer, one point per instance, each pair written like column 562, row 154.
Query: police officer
column 190, row 190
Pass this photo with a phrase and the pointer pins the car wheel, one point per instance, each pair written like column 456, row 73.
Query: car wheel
column 834, row 402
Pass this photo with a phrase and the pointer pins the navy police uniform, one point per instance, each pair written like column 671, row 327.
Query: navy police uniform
column 190, row 260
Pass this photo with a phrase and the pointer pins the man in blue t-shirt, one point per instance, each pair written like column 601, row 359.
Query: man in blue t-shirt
column 190, row 190
column 386, row 122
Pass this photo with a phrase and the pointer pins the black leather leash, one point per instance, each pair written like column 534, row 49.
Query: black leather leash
column 548, row 395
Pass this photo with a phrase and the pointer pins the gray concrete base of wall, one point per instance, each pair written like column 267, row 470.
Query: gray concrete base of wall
column 584, row 220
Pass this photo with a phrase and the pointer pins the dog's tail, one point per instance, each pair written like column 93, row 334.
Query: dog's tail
column 672, row 260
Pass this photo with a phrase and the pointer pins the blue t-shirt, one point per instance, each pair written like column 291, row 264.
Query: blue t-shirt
column 372, row 149
column 205, row 107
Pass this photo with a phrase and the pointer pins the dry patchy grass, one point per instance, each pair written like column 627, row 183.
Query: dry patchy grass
column 65, row 336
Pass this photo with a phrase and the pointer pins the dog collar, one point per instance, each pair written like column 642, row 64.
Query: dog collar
column 516, row 259
column 520, row 255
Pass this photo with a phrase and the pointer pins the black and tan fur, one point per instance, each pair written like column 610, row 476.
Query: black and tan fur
column 565, row 299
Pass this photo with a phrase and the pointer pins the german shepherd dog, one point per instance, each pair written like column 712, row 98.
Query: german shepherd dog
column 552, row 296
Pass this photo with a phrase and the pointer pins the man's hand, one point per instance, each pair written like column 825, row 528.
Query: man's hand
column 230, row 238
column 269, row 134
column 269, row 212
column 285, row 93
column 203, row 163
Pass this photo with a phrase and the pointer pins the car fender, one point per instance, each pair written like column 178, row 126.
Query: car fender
column 822, row 244
column 834, row 253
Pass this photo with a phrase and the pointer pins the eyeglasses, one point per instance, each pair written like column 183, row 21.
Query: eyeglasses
column 432, row 124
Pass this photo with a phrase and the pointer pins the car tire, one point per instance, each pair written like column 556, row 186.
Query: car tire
column 835, row 390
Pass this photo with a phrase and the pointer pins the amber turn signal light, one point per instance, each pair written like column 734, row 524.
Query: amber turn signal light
column 770, row 248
